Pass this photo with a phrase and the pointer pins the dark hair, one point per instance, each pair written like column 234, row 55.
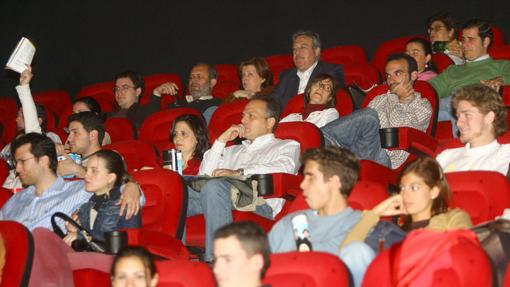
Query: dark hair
column 272, row 107
column 412, row 66
column 91, row 104
column 138, row 252
column 41, row 113
column 197, row 125
column 90, row 121
column 333, row 160
column 448, row 21
column 484, row 28
column 486, row 100
column 114, row 164
column 427, row 48
column 429, row 170
column 262, row 68
column 211, row 70
column 316, row 38
column 251, row 237
column 135, row 77
column 40, row 145
column 331, row 103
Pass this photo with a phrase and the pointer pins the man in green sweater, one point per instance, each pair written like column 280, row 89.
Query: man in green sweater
column 479, row 67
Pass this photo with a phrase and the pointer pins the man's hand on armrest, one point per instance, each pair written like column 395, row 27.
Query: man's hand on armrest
column 167, row 88
column 130, row 200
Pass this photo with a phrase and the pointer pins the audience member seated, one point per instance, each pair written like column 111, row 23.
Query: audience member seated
column 189, row 135
column 134, row 266
column 306, row 50
column 128, row 89
column 421, row 51
column 202, row 80
column 320, row 102
column 89, row 104
column 423, row 201
column 46, row 193
column 330, row 174
column 479, row 68
column 256, row 78
column 241, row 255
column 260, row 153
column 481, row 118
column 400, row 107
column 442, row 28
column 104, row 177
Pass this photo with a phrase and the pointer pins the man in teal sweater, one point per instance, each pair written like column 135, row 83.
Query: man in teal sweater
column 479, row 67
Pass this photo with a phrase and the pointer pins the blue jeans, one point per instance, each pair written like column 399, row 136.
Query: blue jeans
column 358, row 132
column 445, row 114
column 214, row 202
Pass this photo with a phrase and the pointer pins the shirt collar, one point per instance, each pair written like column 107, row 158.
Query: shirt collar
column 308, row 72
column 56, row 186
column 258, row 141
column 189, row 98
column 483, row 148
column 481, row 58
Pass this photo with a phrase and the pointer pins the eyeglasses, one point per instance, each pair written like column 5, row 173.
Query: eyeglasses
column 122, row 88
column 325, row 87
column 21, row 161
column 435, row 29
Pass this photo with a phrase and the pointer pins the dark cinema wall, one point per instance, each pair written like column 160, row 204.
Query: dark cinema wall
column 83, row 42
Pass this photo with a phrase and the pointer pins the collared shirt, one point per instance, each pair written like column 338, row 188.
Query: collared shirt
column 34, row 211
column 481, row 58
column 304, row 77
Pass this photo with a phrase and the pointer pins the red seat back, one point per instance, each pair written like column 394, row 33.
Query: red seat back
column 19, row 246
column 136, row 154
column 306, row 134
column 307, row 269
column 482, row 194
column 344, row 54
column 387, row 48
column 56, row 102
column 184, row 273
column 500, row 52
column 154, row 81
column 441, row 61
column 365, row 75
column 367, row 194
column 225, row 116
column 227, row 81
column 278, row 64
column 106, row 100
column 120, row 129
column 297, row 104
column 166, row 201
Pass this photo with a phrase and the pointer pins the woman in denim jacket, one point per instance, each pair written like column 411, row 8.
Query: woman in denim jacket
column 105, row 175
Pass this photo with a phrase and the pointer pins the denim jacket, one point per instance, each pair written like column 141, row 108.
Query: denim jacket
column 107, row 219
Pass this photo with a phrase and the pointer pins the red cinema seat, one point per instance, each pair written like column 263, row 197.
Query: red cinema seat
column 184, row 274
column 154, row 81
column 279, row 63
column 344, row 54
column 306, row 269
column 8, row 112
column 136, row 154
column 441, row 61
column 225, row 116
column 56, row 102
column 397, row 45
column 482, row 194
column 102, row 92
column 19, row 246
column 119, row 129
column 297, row 104
column 365, row 75
column 500, row 52
column 227, row 81
column 156, row 128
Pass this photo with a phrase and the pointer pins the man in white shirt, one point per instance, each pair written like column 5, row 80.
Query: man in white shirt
column 481, row 118
column 260, row 153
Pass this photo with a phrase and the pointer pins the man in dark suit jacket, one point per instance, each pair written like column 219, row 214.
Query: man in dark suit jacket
column 306, row 50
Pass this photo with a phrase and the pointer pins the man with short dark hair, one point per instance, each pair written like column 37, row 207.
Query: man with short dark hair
column 35, row 159
column 306, row 51
column 128, row 90
column 479, row 67
column 481, row 118
column 330, row 174
column 241, row 255
column 260, row 153
column 401, row 106
column 202, row 79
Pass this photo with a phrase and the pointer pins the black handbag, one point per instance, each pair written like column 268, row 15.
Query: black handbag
column 86, row 244
column 384, row 235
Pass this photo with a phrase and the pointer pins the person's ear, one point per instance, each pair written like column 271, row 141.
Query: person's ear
column 257, row 262
column 112, row 177
column 489, row 118
column 414, row 75
column 40, row 121
column 450, row 33
column 45, row 160
column 138, row 92
column 154, row 280
column 434, row 192
column 317, row 52
column 486, row 42
column 271, row 122
column 213, row 83
column 427, row 59
column 335, row 181
column 94, row 136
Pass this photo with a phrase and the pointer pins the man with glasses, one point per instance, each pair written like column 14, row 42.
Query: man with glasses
column 202, row 79
column 479, row 67
column 401, row 106
column 129, row 87
column 306, row 51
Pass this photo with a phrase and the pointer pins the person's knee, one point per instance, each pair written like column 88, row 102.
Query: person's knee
column 213, row 189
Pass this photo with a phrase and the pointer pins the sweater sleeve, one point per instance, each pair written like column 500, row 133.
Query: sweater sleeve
column 362, row 228
column 29, row 110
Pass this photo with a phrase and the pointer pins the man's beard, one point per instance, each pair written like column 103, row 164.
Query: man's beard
column 204, row 91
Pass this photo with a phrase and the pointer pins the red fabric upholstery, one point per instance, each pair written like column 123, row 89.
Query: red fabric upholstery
column 106, row 100
column 56, row 102
column 482, row 194
column 500, row 52
column 181, row 273
column 456, row 143
column 156, row 128
column 154, row 81
column 8, row 111
column 158, row 243
column 387, row 48
column 365, row 75
column 506, row 283
column 19, row 246
column 306, row 134
column 441, row 62
column 278, row 64
column 296, row 104
column 90, row 278
column 373, row 171
column 228, row 80
column 306, row 269
column 346, row 54
column 136, row 154
column 166, row 201
column 225, row 116
column 119, row 129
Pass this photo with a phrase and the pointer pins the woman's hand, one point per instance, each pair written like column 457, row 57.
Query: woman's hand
column 70, row 238
column 455, row 48
column 390, row 206
column 239, row 94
